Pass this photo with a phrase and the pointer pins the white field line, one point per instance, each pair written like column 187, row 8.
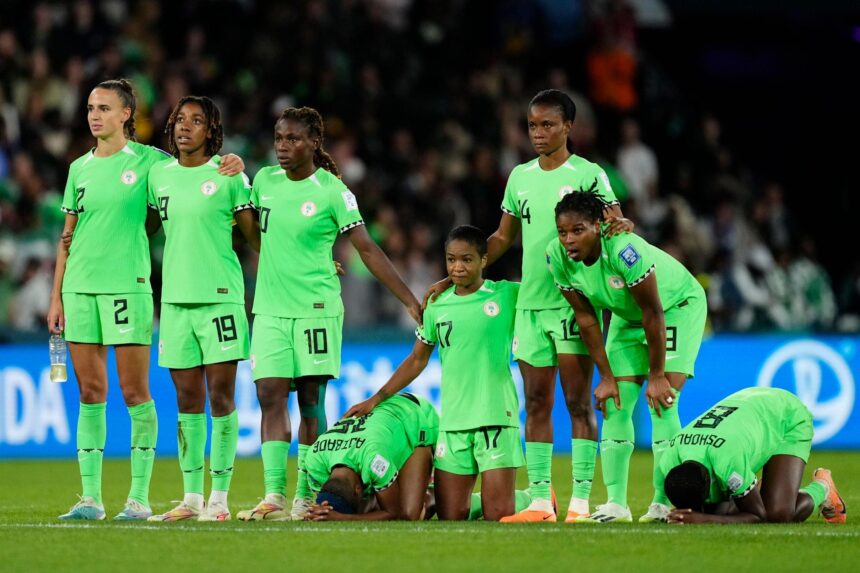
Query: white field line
column 740, row 531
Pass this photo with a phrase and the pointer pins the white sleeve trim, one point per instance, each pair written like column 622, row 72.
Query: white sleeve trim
column 351, row 226
column 388, row 485
column 69, row 211
column 745, row 492
column 648, row 273
column 238, row 208
column 509, row 212
column 422, row 338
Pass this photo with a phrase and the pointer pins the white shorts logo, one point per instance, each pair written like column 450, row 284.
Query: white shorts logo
column 808, row 362
column 208, row 188
column 253, row 361
column 128, row 177
column 515, row 345
column 565, row 190
column 379, row 466
column 440, row 450
column 491, row 309
column 309, row 208
column 615, row 282
column 161, row 347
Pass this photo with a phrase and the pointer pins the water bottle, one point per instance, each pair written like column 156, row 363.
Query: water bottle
column 57, row 349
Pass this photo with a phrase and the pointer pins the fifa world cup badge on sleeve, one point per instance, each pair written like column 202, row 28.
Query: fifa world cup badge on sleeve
column 629, row 255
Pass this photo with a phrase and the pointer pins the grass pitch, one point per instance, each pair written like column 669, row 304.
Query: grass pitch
column 35, row 492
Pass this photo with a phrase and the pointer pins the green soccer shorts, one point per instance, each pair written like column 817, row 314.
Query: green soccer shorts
column 421, row 422
column 296, row 347
column 194, row 334
column 798, row 429
column 471, row 452
column 685, row 325
column 541, row 335
column 108, row 319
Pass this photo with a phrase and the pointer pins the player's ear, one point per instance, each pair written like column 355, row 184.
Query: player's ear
column 484, row 261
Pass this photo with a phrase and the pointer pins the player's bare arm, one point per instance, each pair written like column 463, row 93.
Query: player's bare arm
column 750, row 509
column 249, row 227
column 388, row 502
column 56, row 316
column 658, row 392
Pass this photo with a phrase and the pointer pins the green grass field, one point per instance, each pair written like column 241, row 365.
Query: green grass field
column 32, row 539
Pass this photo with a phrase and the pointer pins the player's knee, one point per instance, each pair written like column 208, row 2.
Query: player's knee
column 780, row 515
column 453, row 515
column 221, row 404
column 539, row 402
column 580, row 409
column 93, row 395
column 411, row 514
column 190, row 400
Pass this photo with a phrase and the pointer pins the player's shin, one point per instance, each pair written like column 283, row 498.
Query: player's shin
column 583, row 454
column 192, row 454
column 144, row 435
column 225, row 437
column 663, row 429
column 818, row 492
column 92, row 431
column 539, row 460
column 274, row 455
column 616, row 444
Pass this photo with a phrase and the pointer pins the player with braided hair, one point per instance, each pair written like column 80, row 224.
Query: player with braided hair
column 658, row 318
column 298, row 312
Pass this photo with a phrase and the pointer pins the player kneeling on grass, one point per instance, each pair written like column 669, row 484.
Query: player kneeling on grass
column 472, row 322
column 376, row 466
column 710, row 466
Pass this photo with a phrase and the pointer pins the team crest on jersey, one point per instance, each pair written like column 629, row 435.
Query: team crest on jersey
column 615, row 282
column 379, row 466
column 629, row 255
column 565, row 190
column 491, row 308
column 309, row 208
column 208, row 188
column 128, row 177
column 440, row 450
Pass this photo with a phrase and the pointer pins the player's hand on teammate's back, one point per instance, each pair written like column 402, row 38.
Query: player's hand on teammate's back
column 435, row 290
column 363, row 408
column 231, row 164
column 659, row 393
column 606, row 389
column 56, row 317
column 617, row 226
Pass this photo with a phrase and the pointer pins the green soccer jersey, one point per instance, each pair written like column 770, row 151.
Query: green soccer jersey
column 196, row 206
column 109, row 253
column 374, row 446
column 735, row 439
column 625, row 261
column 474, row 335
column 300, row 221
column 531, row 196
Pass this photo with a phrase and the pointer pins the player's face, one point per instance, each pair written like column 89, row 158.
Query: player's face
column 191, row 129
column 579, row 236
column 293, row 144
column 548, row 129
column 105, row 113
column 463, row 262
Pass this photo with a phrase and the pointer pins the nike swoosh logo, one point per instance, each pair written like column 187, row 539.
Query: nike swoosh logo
column 160, row 189
column 264, row 197
column 672, row 357
column 320, row 361
column 124, row 330
column 521, row 192
column 497, row 456
column 223, row 348
column 441, row 317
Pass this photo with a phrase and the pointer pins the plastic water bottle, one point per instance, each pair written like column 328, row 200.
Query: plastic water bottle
column 57, row 349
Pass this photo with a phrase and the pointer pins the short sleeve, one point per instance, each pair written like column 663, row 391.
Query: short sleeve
column 631, row 258
column 151, row 198
column 345, row 209
column 735, row 476
column 70, row 194
column 240, row 192
column 604, row 189
column 254, row 194
column 155, row 155
column 377, row 469
column 426, row 332
column 555, row 259
column 509, row 201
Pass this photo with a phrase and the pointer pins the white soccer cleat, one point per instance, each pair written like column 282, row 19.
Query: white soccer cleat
column 134, row 511
column 270, row 508
column 657, row 513
column 609, row 513
column 215, row 511
column 181, row 512
column 85, row 509
column 300, row 508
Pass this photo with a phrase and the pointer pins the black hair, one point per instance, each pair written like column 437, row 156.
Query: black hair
column 340, row 495
column 213, row 119
column 586, row 202
column 124, row 90
column 472, row 235
column 556, row 98
column 687, row 485
column 314, row 122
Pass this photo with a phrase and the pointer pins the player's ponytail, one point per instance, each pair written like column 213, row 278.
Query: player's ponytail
column 123, row 88
column 586, row 202
column 312, row 119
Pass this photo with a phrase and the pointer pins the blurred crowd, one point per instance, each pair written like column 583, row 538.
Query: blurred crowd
column 424, row 103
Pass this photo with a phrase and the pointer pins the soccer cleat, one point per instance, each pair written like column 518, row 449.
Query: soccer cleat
column 267, row 509
column 609, row 513
column 181, row 512
column 215, row 512
column 574, row 517
column 657, row 513
column 300, row 508
column 833, row 509
column 87, row 509
column 536, row 512
column 133, row 511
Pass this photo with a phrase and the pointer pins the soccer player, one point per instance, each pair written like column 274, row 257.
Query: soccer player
column 546, row 335
column 298, row 312
column 710, row 466
column 102, row 296
column 204, row 329
column 375, row 466
column 473, row 324
column 658, row 318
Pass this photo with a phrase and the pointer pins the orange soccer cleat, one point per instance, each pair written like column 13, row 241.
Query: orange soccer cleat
column 833, row 509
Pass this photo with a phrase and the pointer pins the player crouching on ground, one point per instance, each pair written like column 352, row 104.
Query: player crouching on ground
column 472, row 322
column 375, row 466
column 713, row 462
